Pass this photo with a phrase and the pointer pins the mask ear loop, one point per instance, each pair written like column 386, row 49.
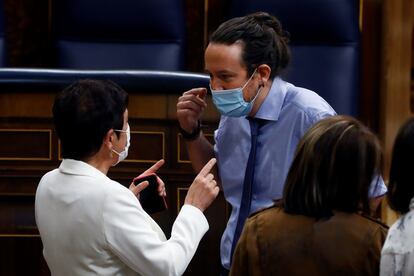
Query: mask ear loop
column 257, row 94
column 258, row 90
column 254, row 72
column 127, row 145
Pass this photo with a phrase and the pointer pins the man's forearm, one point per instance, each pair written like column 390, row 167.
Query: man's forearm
column 200, row 152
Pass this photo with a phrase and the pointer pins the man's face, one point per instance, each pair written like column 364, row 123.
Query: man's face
column 224, row 65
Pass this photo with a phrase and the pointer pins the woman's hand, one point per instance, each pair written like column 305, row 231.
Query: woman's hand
column 153, row 169
column 204, row 189
column 136, row 189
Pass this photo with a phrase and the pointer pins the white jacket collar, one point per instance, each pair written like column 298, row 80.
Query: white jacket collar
column 76, row 167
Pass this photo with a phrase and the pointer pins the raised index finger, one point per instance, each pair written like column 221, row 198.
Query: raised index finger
column 207, row 167
column 154, row 167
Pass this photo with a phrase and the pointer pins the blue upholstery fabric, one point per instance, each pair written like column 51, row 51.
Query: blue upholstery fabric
column 325, row 45
column 119, row 34
column 133, row 81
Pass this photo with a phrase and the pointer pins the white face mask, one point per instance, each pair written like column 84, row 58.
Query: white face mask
column 123, row 154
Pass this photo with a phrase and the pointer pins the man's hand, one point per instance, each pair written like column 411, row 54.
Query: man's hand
column 190, row 107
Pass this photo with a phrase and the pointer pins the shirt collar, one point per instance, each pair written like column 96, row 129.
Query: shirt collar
column 272, row 104
column 76, row 167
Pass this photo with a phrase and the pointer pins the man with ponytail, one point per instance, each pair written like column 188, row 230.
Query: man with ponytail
column 262, row 120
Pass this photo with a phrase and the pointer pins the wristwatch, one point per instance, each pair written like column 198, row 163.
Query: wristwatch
column 193, row 135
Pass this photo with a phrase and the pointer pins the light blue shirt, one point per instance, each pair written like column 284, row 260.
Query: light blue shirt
column 290, row 112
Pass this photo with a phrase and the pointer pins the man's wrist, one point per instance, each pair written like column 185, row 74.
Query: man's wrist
column 190, row 136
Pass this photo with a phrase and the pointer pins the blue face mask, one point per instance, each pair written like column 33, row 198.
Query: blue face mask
column 230, row 102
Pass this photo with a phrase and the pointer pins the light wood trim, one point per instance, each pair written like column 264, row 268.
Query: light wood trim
column 397, row 23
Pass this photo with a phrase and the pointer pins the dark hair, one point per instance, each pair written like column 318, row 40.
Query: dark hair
column 401, row 184
column 333, row 167
column 84, row 112
column 262, row 37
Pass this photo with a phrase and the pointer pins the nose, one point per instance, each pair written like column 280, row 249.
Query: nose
column 215, row 85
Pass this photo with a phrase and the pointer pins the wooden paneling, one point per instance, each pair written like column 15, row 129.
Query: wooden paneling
column 17, row 184
column 22, row 256
column 370, row 63
column 25, row 117
column 17, row 216
column 207, row 258
column 26, row 104
column 146, row 106
column 182, row 155
column 397, row 50
column 17, row 144
column 147, row 146
column 29, row 148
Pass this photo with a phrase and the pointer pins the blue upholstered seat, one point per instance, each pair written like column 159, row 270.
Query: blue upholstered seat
column 119, row 34
column 325, row 44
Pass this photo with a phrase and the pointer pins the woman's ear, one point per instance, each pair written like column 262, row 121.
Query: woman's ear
column 109, row 138
column 264, row 73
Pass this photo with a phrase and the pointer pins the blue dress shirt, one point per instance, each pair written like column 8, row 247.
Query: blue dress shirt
column 290, row 112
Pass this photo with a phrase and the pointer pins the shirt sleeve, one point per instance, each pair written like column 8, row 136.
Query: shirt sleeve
column 387, row 265
column 377, row 187
column 135, row 238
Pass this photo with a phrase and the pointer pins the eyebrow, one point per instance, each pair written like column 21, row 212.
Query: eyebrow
column 220, row 72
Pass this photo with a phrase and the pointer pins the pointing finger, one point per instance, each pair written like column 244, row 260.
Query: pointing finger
column 207, row 168
column 154, row 167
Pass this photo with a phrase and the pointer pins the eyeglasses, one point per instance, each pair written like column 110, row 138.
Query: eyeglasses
column 120, row 130
column 124, row 131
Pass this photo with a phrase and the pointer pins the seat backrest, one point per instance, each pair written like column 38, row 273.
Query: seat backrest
column 325, row 45
column 118, row 34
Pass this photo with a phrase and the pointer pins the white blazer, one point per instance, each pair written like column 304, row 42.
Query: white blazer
column 92, row 225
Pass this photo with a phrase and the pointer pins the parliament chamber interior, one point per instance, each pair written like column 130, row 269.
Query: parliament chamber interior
column 357, row 54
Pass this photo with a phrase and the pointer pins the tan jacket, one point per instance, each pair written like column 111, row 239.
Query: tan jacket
column 276, row 243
